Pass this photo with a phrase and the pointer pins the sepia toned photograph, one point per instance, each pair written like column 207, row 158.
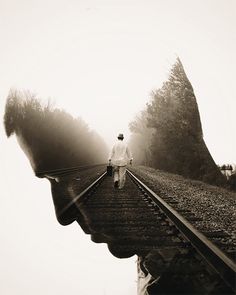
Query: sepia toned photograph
column 118, row 147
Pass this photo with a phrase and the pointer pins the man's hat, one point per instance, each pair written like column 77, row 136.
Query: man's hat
column 121, row 136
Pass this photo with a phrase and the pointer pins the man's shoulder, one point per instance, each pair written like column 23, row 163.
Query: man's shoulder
column 120, row 143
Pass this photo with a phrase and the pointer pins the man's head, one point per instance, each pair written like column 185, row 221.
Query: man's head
column 120, row 136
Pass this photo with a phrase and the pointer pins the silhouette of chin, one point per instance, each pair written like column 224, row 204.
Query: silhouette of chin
column 120, row 253
column 68, row 211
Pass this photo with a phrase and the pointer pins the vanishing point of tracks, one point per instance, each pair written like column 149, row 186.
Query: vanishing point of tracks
column 135, row 220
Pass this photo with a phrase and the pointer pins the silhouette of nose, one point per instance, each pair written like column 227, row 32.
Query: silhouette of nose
column 66, row 211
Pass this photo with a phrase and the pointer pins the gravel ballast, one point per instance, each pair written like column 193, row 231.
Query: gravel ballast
column 214, row 205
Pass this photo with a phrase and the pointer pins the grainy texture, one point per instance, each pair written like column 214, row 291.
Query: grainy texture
column 216, row 206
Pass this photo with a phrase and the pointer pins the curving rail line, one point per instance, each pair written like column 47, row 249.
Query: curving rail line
column 211, row 254
column 64, row 171
column 223, row 265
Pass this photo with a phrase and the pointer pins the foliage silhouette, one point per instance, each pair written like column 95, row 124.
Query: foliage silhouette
column 140, row 140
column 50, row 137
column 177, row 144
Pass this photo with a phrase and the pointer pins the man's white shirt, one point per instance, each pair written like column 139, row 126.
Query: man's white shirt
column 120, row 154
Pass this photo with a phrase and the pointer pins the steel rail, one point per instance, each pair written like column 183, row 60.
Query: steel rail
column 221, row 264
column 81, row 195
column 62, row 171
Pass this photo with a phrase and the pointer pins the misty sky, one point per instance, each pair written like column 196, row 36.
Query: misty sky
column 100, row 60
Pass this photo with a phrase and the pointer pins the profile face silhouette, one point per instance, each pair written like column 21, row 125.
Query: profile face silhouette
column 65, row 189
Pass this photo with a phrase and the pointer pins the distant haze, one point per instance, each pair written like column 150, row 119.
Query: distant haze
column 101, row 59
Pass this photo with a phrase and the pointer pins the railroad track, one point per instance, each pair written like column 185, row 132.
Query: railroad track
column 64, row 171
column 135, row 220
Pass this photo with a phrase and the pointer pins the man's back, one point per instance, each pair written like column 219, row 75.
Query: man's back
column 120, row 154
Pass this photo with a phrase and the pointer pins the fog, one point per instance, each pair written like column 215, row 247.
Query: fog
column 99, row 60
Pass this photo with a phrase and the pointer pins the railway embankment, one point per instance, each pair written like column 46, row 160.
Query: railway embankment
column 131, row 222
column 214, row 207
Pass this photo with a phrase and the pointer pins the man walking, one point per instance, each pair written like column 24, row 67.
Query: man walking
column 120, row 156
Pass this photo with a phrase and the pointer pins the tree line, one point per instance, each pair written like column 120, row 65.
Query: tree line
column 167, row 134
column 51, row 137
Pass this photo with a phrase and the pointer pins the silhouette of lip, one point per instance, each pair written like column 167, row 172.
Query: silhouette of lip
column 67, row 212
